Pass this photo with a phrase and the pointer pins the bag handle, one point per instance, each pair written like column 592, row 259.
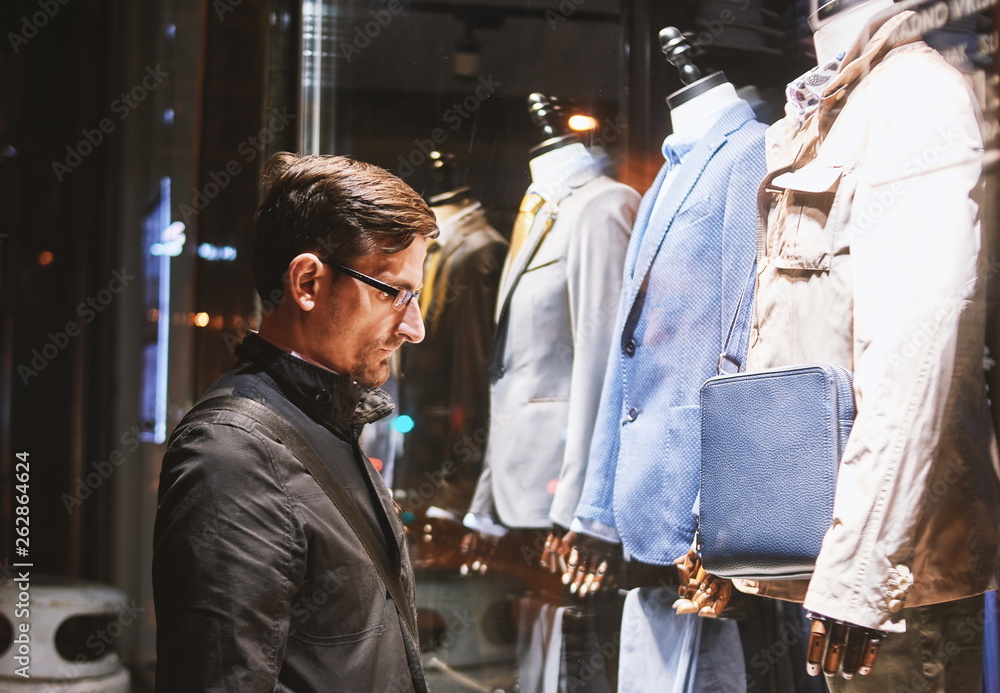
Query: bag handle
column 741, row 317
column 281, row 429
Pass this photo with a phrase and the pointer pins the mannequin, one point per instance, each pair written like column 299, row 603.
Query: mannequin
column 564, row 269
column 443, row 385
column 689, row 258
column 694, row 108
column 884, row 583
column 563, row 173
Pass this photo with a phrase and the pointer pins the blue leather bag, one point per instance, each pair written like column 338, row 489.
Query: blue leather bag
column 771, row 444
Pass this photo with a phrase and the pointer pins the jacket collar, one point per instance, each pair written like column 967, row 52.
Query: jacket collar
column 570, row 179
column 792, row 143
column 866, row 52
column 458, row 228
column 329, row 398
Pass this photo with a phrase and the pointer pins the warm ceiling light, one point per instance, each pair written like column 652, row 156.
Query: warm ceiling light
column 582, row 123
column 45, row 258
column 201, row 319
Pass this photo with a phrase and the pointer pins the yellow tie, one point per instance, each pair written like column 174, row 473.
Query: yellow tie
column 526, row 213
column 431, row 265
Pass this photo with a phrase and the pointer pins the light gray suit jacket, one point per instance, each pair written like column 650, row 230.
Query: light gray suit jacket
column 561, row 296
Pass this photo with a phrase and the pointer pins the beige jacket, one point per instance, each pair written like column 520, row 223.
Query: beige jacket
column 870, row 256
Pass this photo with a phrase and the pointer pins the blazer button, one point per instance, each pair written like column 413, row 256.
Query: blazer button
column 630, row 346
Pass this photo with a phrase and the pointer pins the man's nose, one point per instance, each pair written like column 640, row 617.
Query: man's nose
column 411, row 327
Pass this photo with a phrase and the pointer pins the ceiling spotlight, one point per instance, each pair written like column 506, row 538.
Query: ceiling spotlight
column 582, row 123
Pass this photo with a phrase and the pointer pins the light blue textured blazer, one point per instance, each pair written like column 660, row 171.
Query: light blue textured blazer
column 685, row 269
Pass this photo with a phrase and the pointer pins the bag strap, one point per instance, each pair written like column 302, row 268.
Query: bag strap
column 727, row 359
column 287, row 434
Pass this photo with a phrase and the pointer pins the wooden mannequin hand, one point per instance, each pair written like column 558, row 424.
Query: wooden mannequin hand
column 477, row 550
column 700, row 592
column 590, row 564
column 553, row 555
column 841, row 649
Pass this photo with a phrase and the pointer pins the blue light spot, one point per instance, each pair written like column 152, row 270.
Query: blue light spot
column 403, row 424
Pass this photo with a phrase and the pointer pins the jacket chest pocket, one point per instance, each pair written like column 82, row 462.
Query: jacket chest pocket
column 338, row 607
column 808, row 219
column 341, row 597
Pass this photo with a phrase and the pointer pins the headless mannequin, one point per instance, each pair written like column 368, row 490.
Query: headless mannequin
column 836, row 29
column 833, row 35
column 586, row 562
column 553, row 160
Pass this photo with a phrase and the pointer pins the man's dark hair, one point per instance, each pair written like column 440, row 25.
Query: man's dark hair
column 333, row 206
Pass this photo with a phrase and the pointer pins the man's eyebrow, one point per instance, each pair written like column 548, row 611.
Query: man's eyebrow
column 402, row 284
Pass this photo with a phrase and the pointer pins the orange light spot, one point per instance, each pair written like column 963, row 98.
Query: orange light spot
column 582, row 123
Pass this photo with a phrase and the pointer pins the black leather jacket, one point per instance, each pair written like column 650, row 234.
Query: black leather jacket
column 259, row 583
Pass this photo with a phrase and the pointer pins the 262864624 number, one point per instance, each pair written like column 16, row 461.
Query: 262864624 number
column 22, row 510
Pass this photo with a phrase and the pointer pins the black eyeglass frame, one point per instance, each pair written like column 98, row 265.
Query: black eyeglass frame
column 401, row 297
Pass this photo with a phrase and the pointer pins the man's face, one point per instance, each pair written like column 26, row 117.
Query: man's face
column 358, row 328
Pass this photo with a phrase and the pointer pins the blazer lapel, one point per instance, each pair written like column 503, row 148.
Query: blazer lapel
column 731, row 120
column 554, row 192
column 642, row 218
column 539, row 226
column 659, row 224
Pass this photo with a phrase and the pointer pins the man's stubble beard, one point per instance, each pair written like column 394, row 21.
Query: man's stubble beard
column 373, row 368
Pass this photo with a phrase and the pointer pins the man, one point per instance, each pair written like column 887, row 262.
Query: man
column 261, row 581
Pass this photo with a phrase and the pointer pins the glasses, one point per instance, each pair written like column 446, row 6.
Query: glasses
column 400, row 297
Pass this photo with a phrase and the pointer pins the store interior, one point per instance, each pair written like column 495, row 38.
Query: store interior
column 132, row 137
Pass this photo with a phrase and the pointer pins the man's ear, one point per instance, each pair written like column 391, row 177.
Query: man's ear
column 302, row 280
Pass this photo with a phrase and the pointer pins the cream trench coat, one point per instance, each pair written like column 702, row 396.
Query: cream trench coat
column 870, row 256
